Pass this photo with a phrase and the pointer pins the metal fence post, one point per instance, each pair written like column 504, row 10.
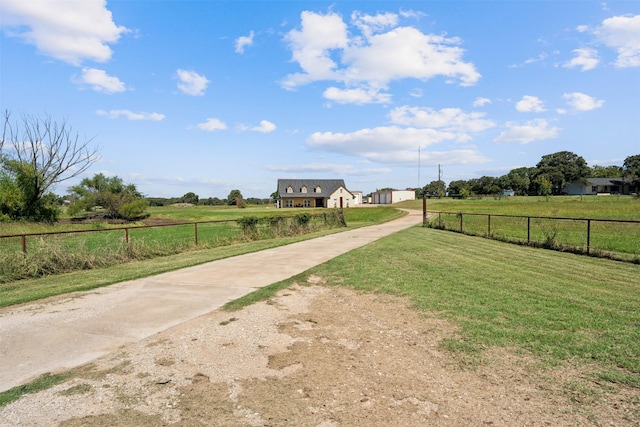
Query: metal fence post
column 461, row 223
column 528, row 229
column 195, row 232
column 126, row 237
column 489, row 225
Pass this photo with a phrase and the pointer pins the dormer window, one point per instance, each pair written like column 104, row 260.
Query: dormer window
column 303, row 189
column 317, row 189
column 289, row 189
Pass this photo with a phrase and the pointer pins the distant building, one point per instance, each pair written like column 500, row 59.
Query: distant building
column 593, row 186
column 388, row 197
column 314, row 193
column 357, row 197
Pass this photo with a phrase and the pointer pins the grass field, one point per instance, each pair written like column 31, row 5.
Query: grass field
column 556, row 306
column 534, row 221
column 603, row 207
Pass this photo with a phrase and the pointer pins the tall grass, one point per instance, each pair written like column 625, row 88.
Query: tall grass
column 52, row 254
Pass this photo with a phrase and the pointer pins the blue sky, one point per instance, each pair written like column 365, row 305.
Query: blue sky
column 210, row 96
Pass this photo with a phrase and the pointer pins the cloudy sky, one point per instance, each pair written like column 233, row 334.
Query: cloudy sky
column 210, row 96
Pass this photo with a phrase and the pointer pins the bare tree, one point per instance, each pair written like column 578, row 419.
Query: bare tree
column 51, row 149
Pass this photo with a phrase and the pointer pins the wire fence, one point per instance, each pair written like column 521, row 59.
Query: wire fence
column 36, row 254
column 618, row 239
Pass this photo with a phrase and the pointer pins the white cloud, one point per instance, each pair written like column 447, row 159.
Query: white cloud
column 585, row 58
column 534, row 130
column 99, row 81
column 244, row 41
column 265, row 127
column 449, row 119
column 311, row 46
column 327, row 168
column 582, row 102
column 530, row 104
column 72, row 31
column 356, row 96
column 382, row 144
column 326, row 50
column 370, row 24
column 114, row 114
column 211, row 125
column 622, row 33
column 192, row 83
column 416, row 93
column 481, row 102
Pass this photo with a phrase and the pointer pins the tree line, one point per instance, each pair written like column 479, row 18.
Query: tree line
column 234, row 198
column 548, row 177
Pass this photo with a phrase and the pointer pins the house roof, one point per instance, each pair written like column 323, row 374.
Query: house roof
column 605, row 181
column 328, row 186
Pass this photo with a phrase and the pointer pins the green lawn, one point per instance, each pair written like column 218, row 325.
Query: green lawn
column 557, row 306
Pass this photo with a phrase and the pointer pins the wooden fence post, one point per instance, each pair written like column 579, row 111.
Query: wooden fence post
column 588, row 235
column 195, row 232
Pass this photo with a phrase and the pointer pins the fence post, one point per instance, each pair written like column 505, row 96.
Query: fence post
column 23, row 238
column 588, row 235
column 528, row 229
column 489, row 225
column 195, row 232
column 424, row 210
column 461, row 222
column 439, row 222
column 126, row 237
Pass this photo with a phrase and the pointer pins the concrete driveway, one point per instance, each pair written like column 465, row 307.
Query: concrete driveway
column 62, row 333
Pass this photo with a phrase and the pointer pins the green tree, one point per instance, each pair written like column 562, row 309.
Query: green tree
column 562, row 168
column 18, row 182
column 434, row 189
column 606, row 172
column 544, row 186
column 118, row 200
column 456, row 188
column 235, row 198
column 190, row 197
column 518, row 180
column 42, row 154
column 631, row 170
column 485, row 185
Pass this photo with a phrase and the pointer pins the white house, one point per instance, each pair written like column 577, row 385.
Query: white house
column 314, row 193
column 594, row 186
